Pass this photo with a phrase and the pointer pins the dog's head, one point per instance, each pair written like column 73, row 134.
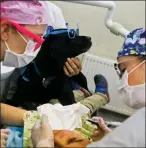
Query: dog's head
column 57, row 47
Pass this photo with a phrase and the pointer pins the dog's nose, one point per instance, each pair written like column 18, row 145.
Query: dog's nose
column 89, row 38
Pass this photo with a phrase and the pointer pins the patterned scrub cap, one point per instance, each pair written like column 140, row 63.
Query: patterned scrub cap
column 25, row 12
column 134, row 44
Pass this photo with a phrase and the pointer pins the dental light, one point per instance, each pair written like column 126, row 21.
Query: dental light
column 114, row 27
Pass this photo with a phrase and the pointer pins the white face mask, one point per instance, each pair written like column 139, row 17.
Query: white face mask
column 134, row 96
column 12, row 59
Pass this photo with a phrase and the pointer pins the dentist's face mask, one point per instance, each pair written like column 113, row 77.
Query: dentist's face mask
column 134, row 96
column 32, row 48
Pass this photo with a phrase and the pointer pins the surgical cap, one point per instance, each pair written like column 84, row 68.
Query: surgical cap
column 25, row 12
column 134, row 44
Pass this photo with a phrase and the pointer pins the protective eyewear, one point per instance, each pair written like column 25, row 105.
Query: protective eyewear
column 118, row 69
column 26, row 32
column 71, row 32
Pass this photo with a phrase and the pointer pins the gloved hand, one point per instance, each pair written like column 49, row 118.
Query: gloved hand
column 102, row 129
column 3, row 137
column 42, row 134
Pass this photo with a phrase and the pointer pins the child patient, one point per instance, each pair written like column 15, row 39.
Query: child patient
column 93, row 102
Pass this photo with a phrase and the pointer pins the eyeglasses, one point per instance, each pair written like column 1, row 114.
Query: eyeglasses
column 120, row 71
column 22, row 30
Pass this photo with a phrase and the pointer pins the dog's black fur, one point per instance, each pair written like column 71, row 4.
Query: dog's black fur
column 52, row 82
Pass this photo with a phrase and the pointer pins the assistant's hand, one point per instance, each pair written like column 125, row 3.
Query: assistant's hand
column 102, row 129
column 42, row 134
column 72, row 67
column 66, row 138
column 4, row 137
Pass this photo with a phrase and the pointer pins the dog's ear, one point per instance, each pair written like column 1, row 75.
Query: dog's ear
column 49, row 60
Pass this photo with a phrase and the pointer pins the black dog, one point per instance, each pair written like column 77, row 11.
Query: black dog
column 46, row 78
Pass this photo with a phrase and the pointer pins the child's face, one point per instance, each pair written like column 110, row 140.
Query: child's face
column 14, row 40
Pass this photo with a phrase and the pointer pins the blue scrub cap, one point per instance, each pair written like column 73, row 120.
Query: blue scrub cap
column 134, row 44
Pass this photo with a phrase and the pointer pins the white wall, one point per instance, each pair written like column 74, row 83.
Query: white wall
column 131, row 14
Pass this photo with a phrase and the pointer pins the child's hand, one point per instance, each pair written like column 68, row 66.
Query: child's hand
column 4, row 137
